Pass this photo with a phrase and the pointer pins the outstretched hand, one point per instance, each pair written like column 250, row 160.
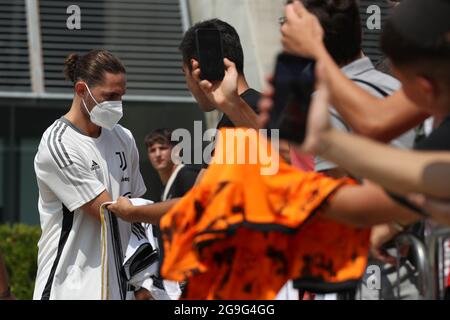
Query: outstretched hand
column 122, row 208
column 222, row 94
column 381, row 235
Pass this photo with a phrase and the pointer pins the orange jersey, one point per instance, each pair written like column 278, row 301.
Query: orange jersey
column 241, row 235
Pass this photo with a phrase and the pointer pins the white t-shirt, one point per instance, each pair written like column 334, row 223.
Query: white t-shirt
column 72, row 169
column 363, row 69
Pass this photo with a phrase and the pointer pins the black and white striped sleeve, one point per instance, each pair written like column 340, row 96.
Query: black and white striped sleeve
column 66, row 172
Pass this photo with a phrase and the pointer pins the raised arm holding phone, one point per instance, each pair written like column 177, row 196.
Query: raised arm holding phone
column 231, row 95
column 398, row 170
column 381, row 119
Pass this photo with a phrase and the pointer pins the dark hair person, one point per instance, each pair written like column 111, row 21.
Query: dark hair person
column 232, row 48
column 341, row 22
column 162, row 136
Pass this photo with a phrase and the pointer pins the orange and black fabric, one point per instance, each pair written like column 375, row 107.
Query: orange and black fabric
column 242, row 235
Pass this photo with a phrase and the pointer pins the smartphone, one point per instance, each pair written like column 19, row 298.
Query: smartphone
column 210, row 54
column 294, row 83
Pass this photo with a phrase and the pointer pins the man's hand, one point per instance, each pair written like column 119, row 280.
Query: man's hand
column 302, row 33
column 438, row 209
column 122, row 208
column 151, row 213
column 380, row 235
column 223, row 94
column 143, row 294
column 193, row 85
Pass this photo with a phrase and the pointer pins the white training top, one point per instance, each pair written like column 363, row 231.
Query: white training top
column 72, row 169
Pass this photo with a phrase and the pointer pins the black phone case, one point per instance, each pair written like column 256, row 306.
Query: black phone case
column 217, row 72
column 291, row 100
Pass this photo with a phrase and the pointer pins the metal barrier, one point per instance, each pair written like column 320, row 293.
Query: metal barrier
column 436, row 256
column 422, row 263
column 429, row 258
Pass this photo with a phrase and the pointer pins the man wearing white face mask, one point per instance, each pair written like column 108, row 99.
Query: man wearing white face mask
column 106, row 114
column 84, row 160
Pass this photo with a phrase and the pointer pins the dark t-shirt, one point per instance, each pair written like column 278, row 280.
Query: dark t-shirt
column 183, row 182
column 251, row 97
column 438, row 140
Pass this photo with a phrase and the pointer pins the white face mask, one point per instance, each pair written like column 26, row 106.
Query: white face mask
column 106, row 114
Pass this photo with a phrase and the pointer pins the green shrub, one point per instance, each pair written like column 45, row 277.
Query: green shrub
column 18, row 244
